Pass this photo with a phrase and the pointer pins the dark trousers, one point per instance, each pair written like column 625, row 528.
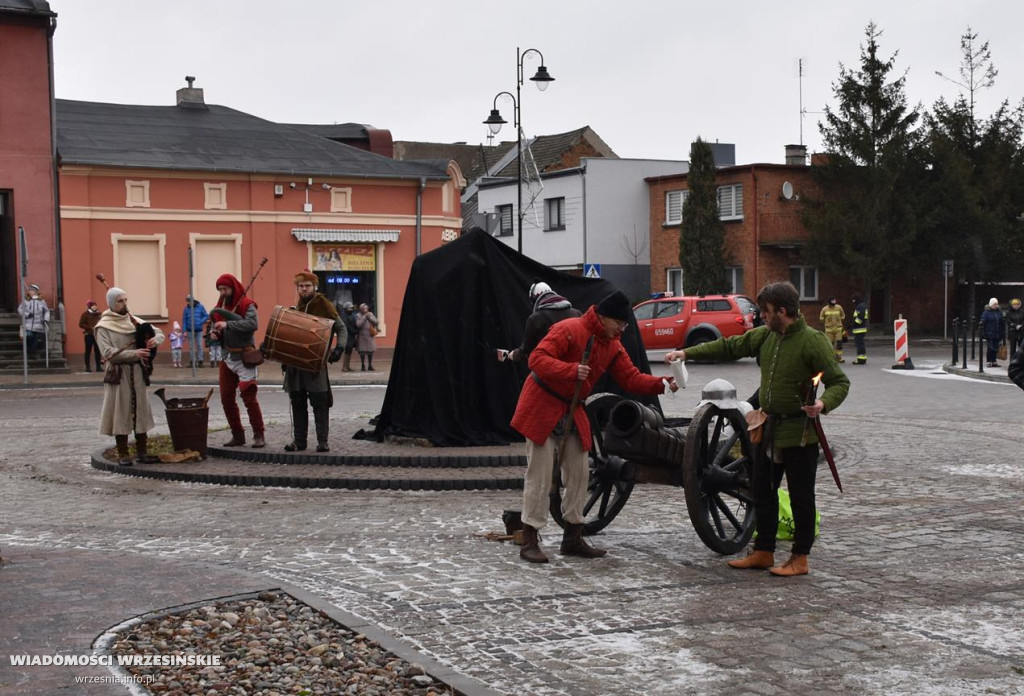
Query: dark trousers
column 992, row 349
column 800, row 465
column 300, row 416
column 91, row 347
column 36, row 342
column 858, row 340
column 1014, row 343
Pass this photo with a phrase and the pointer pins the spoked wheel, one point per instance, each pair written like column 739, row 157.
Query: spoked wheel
column 717, row 477
column 611, row 477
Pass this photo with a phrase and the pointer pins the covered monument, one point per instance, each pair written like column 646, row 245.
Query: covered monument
column 463, row 302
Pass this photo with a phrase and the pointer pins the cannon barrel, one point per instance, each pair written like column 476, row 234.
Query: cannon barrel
column 638, row 433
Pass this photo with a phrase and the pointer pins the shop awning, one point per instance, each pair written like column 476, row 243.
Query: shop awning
column 304, row 234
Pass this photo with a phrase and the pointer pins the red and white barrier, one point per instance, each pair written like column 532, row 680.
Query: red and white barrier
column 901, row 341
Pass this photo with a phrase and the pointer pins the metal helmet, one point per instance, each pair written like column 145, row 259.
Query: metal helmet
column 720, row 392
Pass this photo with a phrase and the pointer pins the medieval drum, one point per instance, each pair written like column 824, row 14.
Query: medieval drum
column 298, row 339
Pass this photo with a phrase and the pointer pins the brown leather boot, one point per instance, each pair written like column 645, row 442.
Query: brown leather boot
column 573, row 544
column 258, row 441
column 123, row 458
column 141, row 448
column 796, row 565
column 237, row 440
column 755, row 560
column 530, row 550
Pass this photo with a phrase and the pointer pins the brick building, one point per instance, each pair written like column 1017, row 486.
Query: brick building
column 760, row 205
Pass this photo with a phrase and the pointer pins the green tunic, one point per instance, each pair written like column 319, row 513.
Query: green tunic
column 788, row 362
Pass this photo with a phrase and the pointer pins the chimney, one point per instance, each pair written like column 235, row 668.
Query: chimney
column 795, row 154
column 190, row 97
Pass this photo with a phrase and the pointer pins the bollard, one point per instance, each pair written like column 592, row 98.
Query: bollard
column 981, row 350
column 956, row 342
column 901, row 345
column 974, row 338
column 963, row 333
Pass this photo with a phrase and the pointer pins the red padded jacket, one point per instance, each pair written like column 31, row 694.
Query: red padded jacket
column 554, row 360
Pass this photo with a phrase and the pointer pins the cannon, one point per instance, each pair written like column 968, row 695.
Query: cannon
column 708, row 455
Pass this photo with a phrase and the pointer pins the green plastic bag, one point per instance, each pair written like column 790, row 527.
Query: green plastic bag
column 786, row 524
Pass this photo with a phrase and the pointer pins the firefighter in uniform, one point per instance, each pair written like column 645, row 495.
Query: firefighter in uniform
column 860, row 329
column 832, row 317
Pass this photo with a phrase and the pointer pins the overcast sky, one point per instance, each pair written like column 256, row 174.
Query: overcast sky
column 647, row 76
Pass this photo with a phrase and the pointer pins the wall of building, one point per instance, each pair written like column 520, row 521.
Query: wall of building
column 95, row 211
column 26, row 158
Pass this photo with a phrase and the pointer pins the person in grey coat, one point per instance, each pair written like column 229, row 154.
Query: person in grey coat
column 365, row 321
column 35, row 318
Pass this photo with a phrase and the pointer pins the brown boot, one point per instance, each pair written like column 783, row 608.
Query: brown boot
column 258, row 441
column 573, row 544
column 755, row 560
column 237, row 440
column 796, row 565
column 530, row 550
column 141, row 448
column 346, row 363
column 123, row 458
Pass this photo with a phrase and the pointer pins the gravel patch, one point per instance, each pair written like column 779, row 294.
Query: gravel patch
column 269, row 645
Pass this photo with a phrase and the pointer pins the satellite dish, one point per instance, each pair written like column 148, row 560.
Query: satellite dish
column 787, row 190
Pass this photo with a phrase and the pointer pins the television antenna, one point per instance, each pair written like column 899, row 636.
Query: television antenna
column 801, row 62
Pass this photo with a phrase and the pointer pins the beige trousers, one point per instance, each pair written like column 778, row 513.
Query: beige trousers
column 537, row 485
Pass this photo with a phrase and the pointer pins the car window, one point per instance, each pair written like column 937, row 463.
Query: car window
column 713, row 305
column 645, row 311
column 746, row 305
column 667, row 309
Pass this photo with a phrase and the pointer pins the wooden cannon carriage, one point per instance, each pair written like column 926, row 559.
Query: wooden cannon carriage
column 708, row 455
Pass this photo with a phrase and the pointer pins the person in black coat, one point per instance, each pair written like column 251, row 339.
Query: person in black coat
column 1014, row 325
column 549, row 308
column 993, row 328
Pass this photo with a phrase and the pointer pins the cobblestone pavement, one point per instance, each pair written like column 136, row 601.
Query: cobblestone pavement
column 915, row 587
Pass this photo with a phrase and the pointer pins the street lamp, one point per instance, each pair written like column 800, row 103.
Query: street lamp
column 494, row 122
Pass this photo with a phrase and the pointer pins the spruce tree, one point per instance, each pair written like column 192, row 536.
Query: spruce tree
column 865, row 216
column 702, row 235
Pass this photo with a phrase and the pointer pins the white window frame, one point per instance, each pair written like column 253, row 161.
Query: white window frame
column 136, row 194
column 160, row 241
column 671, row 206
column 730, row 202
column 674, row 281
column 550, row 220
column 734, row 276
column 215, row 196
column 501, row 211
column 800, row 273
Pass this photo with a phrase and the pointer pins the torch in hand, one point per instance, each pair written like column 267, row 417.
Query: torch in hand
column 812, row 396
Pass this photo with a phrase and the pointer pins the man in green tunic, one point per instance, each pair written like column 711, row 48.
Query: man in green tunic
column 791, row 354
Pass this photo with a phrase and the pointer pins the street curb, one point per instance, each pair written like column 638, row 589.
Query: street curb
column 99, row 462
column 974, row 374
column 422, row 461
column 198, row 382
column 460, row 684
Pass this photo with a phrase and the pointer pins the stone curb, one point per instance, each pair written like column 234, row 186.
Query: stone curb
column 426, row 461
column 395, row 484
column 458, row 683
column 974, row 374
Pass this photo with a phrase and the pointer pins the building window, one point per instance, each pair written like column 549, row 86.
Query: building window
column 674, row 281
column 734, row 279
column 341, row 200
column 214, row 254
column 674, row 201
column 447, row 197
column 136, row 194
column 216, row 196
column 730, row 202
column 805, row 278
column 504, row 220
column 554, row 214
column 139, row 268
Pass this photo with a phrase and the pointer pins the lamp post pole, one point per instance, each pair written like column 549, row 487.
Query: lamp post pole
column 495, row 121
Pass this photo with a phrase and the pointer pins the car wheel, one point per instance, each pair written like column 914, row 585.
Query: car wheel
column 698, row 337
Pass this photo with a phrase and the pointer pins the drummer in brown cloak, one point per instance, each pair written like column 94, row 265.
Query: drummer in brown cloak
column 314, row 387
column 125, row 406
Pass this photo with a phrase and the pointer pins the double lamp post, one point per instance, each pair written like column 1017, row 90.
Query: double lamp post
column 494, row 122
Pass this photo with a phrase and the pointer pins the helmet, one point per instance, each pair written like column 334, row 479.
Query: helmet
column 721, row 392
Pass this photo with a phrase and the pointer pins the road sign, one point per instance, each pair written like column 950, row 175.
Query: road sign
column 592, row 270
column 947, row 268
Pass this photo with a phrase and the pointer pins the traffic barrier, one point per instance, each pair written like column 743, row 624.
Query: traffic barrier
column 902, row 345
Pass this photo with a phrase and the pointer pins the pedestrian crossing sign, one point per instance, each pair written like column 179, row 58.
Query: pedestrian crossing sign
column 592, row 270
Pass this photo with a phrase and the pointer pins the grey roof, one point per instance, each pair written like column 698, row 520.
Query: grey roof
column 336, row 131
column 548, row 151
column 473, row 159
column 31, row 7
column 215, row 138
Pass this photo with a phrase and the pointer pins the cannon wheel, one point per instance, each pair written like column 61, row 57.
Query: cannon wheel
column 610, row 479
column 717, row 475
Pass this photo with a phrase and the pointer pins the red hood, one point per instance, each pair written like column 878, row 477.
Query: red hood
column 238, row 299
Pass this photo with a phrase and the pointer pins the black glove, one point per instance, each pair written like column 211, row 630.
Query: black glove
column 336, row 354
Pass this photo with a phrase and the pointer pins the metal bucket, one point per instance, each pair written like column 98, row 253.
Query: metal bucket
column 188, row 427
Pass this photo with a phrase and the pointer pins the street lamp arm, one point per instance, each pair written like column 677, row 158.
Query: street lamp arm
column 515, row 104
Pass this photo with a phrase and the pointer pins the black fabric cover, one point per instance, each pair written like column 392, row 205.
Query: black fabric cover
column 463, row 302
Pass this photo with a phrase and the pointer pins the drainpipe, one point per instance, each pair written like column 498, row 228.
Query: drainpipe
column 757, row 231
column 419, row 215
column 583, row 176
column 59, row 265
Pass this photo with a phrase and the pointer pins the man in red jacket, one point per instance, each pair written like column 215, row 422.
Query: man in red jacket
column 542, row 411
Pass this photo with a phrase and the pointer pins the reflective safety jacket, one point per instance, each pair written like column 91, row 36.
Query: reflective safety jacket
column 832, row 316
column 860, row 318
